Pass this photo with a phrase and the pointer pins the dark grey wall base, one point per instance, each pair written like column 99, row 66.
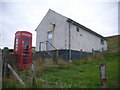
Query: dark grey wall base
column 64, row 54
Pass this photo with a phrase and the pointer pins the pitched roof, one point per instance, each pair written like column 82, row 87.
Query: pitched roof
column 84, row 28
column 79, row 25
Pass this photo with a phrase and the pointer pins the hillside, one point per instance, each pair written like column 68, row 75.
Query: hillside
column 83, row 73
column 113, row 41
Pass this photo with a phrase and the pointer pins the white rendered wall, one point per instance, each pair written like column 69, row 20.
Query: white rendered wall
column 85, row 40
column 79, row 40
column 58, row 33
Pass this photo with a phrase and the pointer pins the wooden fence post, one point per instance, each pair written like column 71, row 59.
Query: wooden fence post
column 15, row 74
column 42, row 57
column 34, row 73
column 55, row 57
column 103, row 75
column 5, row 58
column 6, row 66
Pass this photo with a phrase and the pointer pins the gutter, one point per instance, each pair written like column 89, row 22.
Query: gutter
column 84, row 28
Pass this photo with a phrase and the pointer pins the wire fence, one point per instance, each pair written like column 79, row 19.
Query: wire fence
column 75, row 72
column 56, row 65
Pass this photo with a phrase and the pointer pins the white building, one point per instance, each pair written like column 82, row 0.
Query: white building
column 64, row 33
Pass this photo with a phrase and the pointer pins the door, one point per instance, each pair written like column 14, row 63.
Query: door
column 50, row 36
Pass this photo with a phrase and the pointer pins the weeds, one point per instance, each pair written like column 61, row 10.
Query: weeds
column 82, row 73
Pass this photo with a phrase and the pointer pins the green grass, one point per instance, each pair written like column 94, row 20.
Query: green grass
column 77, row 74
column 85, row 74
column 113, row 41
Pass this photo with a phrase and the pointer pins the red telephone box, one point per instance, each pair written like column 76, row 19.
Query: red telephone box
column 23, row 47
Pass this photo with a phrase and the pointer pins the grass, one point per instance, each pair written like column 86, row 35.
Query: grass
column 78, row 74
column 85, row 74
column 82, row 73
column 113, row 41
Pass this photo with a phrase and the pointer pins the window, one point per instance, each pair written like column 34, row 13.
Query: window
column 26, row 34
column 17, row 34
column 16, row 40
column 25, row 56
column 16, row 47
column 102, row 41
column 25, row 52
column 50, row 35
column 77, row 29
column 26, row 41
column 26, row 47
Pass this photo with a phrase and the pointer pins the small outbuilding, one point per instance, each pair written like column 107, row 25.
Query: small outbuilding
column 57, row 32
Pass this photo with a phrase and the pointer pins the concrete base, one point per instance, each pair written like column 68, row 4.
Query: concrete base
column 64, row 54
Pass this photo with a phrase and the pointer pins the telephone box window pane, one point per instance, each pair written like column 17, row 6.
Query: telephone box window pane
column 26, row 34
column 17, row 34
column 25, row 56
column 16, row 40
column 25, row 52
column 26, row 47
column 16, row 48
column 17, row 45
column 26, row 40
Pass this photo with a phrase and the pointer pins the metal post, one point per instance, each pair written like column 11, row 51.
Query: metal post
column 57, row 56
column 103, row 75
column 93, row 52
column 46, row 45
column 102, row 49
column 81, row 53
column 40, row 46
column 69, row 43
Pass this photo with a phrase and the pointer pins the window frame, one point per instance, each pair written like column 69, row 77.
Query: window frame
column 77, row 29
column 102, row 41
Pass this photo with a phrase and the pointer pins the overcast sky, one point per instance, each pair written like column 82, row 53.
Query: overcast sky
column 100, row 16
